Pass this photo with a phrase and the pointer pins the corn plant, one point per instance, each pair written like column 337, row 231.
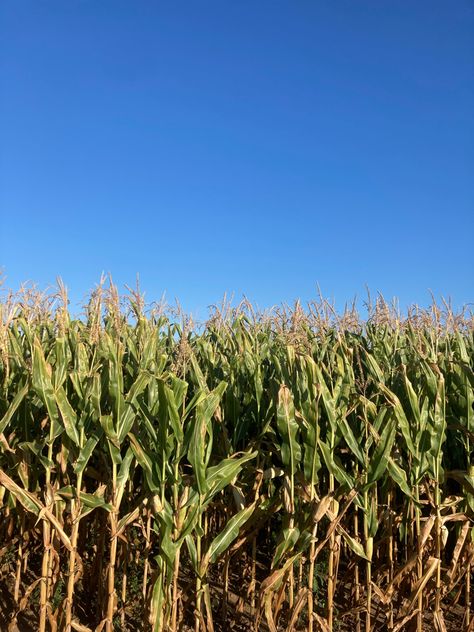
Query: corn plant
column 146, row 462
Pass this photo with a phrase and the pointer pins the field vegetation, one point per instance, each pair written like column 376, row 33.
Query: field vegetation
column 289, row 470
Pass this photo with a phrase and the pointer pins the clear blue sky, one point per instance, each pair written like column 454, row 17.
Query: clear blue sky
column 256, row 147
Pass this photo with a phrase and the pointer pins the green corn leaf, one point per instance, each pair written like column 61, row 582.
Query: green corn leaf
column 86, row 452
column 288, row 429
column 289, row 538
column 156, row 604
column 91, row 501
column 350, row 439
column 219, row 476
column 335, row 467
column 129, row 406
column 60, row 366
column 68, row 416
column 198, row 450
column 399, row 477
column 379, row 459
column 140, row 454
column 123, row 474
column 168, row 404
column 191, row 546
column 13, row 407
column 438, row 435
column 228, row 534
column 41, row 380
column 412, row 398
column 190, row 521
column 400, row 417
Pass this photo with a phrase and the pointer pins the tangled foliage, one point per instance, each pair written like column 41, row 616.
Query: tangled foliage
column 294, row 469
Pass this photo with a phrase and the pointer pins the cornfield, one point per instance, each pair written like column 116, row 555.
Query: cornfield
column 288, row 470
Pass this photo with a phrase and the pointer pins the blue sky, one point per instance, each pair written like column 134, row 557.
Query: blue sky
column 242, row 147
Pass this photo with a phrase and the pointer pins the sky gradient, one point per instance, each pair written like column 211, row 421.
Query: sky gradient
column 256, row 148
